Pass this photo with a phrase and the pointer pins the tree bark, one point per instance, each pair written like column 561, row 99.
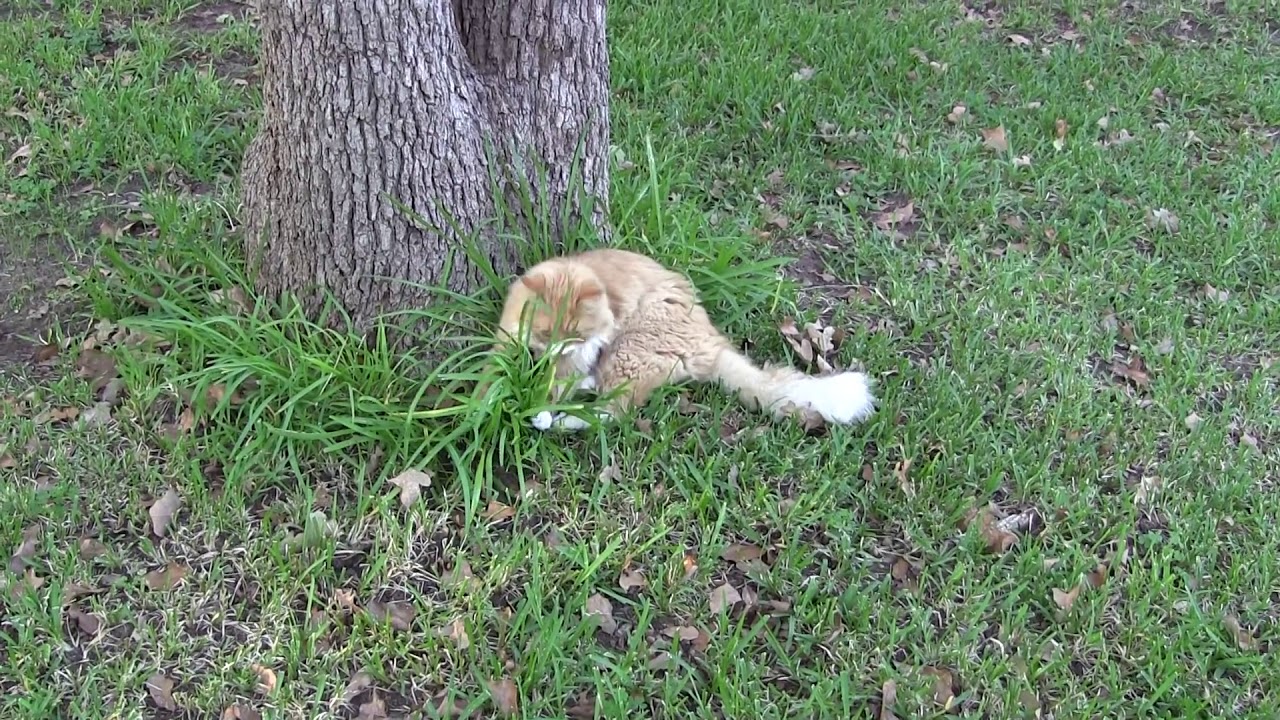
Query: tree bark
column 365, row 99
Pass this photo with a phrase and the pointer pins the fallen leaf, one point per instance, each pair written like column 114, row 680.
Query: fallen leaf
column 1192, row 421
column 900, row 471
column 741, row 553
column 888, row 219
column 7, row 462
column 460, row 576
column 1059, row 134
column 661, row 660
column 240, row 712
column 1244, row 639
column 358, row 683
column 411, row 482
column 1019, row 40
column 690, row 563
column 399, row 613
column 1022, row 161
column 506, row 696
column 375, row 708
column 161, row 689
column 942, row 683
column 1096, row 577
column 88, row 623
column 456, row 631
column 584, row 708
column 1066, row 598
column 266, row 678
column 25, row 550
column 1163, row 219
column 167, row 577
column 996, row 539
column 598, row 606
column 496, row 512
column 957, row 114
column 995, row 138
column 1148, row 486
column 162, row 511
column 888, row 698
column 1133, row 371
column 1215, row 294
column 724, row 597
column 631, row 579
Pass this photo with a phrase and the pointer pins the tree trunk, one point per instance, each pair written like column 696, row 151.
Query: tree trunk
column 365, row 99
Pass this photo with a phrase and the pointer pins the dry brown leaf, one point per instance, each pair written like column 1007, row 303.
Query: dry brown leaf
column 25, row 550
column 631, row 579
column 684, row 632
column 266, row 678
column 889, row 219
column 741, row 553
column 162, row 511
column 167, row 577
column 996, row 539
column 506, row 696
column 1019, row 40
column 460, row 576
column 1096, row 577
column 1215, row 294
column 411, row 482
column 1066, row 598
column 358, row 683
column 1134, row 371
column 690, row 564
column 1149, row 485
column 724, row 598
column 1244, row 639
column 456, row 631
column 7, row 462
column 942, row 684
column 900, row 473
column 1164, row 220
column 399, row 613
column 957, row 114
column 995, row 139
column 496, row 512
column 888, row 698
column 598, row 606
column 240, row 712
column 375, row 708
column 161, row 690
column 1059, row 134
column 89, row 623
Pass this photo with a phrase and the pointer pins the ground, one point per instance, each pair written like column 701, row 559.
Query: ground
column 1047, row 229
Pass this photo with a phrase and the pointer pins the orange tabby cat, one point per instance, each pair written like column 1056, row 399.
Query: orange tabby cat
column 626, row 321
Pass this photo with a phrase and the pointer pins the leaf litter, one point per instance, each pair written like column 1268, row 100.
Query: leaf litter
column 163, row 510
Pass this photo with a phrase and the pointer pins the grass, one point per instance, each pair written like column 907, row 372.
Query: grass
column 1002, row 315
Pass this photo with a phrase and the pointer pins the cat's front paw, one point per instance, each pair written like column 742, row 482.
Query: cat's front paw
column 543, row 420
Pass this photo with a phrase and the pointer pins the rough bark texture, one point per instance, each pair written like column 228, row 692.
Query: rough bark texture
column 411, row 98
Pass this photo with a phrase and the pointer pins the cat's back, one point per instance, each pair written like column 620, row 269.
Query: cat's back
column 624, row 270
column 631, row 278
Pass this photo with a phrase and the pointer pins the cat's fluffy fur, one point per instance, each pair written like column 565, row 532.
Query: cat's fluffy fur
column 626, row 320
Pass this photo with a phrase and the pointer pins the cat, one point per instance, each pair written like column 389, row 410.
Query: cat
column 620, row 319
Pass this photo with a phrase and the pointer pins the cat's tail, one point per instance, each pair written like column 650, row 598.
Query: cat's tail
column 842, row 399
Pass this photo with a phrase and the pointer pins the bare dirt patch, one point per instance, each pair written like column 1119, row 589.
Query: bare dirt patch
column 211, row 17
column 29, row 273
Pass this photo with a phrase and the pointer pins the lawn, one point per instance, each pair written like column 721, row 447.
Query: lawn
column 1047, row 229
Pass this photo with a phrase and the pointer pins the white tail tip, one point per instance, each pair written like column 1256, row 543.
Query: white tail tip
column 842, row 399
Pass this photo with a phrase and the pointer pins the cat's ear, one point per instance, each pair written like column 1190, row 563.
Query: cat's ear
column 535, row 282
column 588, row 290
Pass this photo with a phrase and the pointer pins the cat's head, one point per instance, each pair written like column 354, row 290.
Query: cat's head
column 569, row 305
